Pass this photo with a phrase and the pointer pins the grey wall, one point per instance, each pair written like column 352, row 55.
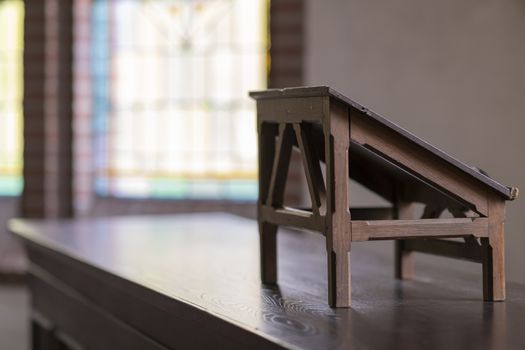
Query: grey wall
column 453, row 72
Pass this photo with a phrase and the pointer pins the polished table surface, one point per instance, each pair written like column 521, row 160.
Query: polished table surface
column 190, row 281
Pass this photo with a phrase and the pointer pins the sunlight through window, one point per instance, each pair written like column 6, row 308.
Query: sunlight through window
column 11, row 85
column 171, row 78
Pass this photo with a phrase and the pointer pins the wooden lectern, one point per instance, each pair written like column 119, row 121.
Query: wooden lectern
column 351, row 142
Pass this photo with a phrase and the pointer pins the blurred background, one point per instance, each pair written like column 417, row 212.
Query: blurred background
column 134, row 107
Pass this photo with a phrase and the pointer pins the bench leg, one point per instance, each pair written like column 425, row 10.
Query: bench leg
column 404, row 260
column 268, row 252
column 404, row 263
column 493, row 269
column 339, row 230
column 494, row 254
column 339, row 280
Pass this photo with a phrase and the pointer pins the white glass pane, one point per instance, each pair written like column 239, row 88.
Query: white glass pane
column 11, row 87
column 180, row 120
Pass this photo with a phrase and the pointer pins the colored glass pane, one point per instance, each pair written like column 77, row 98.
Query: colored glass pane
column 172, row 115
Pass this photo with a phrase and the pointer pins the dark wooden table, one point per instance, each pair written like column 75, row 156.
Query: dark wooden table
column 192, row 282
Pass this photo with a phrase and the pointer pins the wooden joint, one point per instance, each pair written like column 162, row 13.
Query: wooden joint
column 291, row 110
column 286, row 216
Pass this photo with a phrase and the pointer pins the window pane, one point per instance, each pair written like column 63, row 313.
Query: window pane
column 175, row 119
column 11, row 49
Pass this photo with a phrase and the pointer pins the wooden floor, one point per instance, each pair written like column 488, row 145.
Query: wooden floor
column 200, row 273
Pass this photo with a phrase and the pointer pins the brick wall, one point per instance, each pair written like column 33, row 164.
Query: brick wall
column 287, row 43
column 83, row 192
column 47, row 109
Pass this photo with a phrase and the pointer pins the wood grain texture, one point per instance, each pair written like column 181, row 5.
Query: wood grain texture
column 338, row 229
column 507, row 192
column 293, row 110
column 420, row 228
column 291, row 217
column 386, row 179
column 168, row 276
column 416, row 161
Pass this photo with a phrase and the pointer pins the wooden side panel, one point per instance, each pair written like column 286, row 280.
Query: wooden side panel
column 278, row 121
column 416, row 160
column 91, row 326
column 291, row 110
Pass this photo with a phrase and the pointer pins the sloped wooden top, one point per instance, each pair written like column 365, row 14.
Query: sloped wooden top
column 509, row 193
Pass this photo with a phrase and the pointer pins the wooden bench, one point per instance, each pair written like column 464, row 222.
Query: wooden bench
column 353, row 142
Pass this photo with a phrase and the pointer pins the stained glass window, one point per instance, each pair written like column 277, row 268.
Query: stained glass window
column 11, row 46
column 172, row 116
